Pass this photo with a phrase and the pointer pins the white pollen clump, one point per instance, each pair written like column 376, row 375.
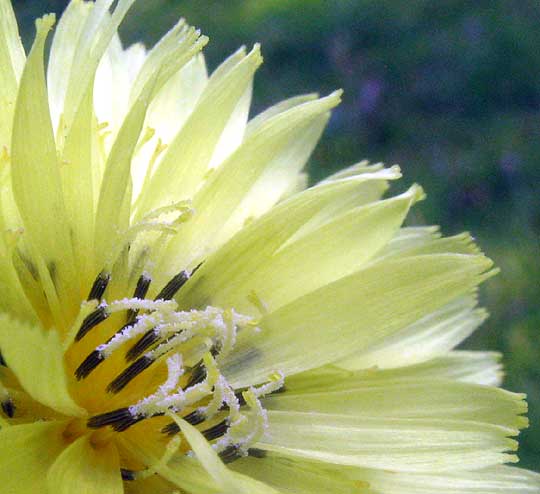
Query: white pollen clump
column 248, row 429
column 174, row 373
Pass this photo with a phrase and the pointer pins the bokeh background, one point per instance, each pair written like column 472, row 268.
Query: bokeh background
column 450, row 90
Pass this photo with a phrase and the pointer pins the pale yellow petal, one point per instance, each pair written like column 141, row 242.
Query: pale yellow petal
column 12, row 60
column 251, row 180
column 336, row 249
column 37, row 359
column 167, row 57
column 494, row 480
column 233, row 132
column 186, row 161
column 414, row 241
column 474, row 367
column 78, row 184
column 257, row 122
column 96, row 35
column 372, row 183
column 295, row 475
column 26, row 455
column 285, row 223
column 63, row 53
column 85, row 468
column 413, row 445
column 359, row 310
column 463, row 366
column 358, row 394
column 115, row 193
column 112, row 85
column 37, row 186
column 14, row 299
column 433, row 335
column 177, row 99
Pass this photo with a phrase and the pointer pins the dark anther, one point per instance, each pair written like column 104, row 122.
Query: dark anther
column 140, row 292
column 30, row 266
column 127, row 474
column 145, row 342
column 120, row 420
column 89, row 364
column 193, row 418
column 130, row 373
column 171, row 429
column 170, row 289
column 51, row 267
column 198, row 374
column 257, row 453
column 2, row 361
column 109, row 418
column 142, row 286
column 216, row 431
column 196, row 268
column 99, row 286
column 230, row 453
column 91, row 321
column 240, row 397
column 8, row 407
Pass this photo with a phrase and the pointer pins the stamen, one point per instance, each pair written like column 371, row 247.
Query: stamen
column 194, row 418
column 161, row 320
column 120, row 420
column 143, row 283
column 149, row 338
column 175, row 371
column 231, row 453
column 171, row 429
column 8, row 407
column 216, row 431
column 142, row 286
column 177, row 282
column 130, row 373
column 127, row 474
column 172, row 287
column 256, row 453
column 91, row 321
column 99, row 286
column 256, row 423
column 89, row 364
column 198, row 375
column 6, row 402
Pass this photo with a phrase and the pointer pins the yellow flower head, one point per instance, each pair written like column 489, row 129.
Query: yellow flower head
column 179, row 315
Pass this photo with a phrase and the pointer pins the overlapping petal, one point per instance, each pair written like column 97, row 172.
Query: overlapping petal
column 86, row 468
column 26, row 455
column 36, row 357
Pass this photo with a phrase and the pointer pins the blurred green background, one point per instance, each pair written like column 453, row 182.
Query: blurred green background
column 450, row 90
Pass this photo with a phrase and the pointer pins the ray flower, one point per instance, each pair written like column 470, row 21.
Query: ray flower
column 179, row 314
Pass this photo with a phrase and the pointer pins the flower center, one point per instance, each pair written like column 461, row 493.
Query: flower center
column 164, row 364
